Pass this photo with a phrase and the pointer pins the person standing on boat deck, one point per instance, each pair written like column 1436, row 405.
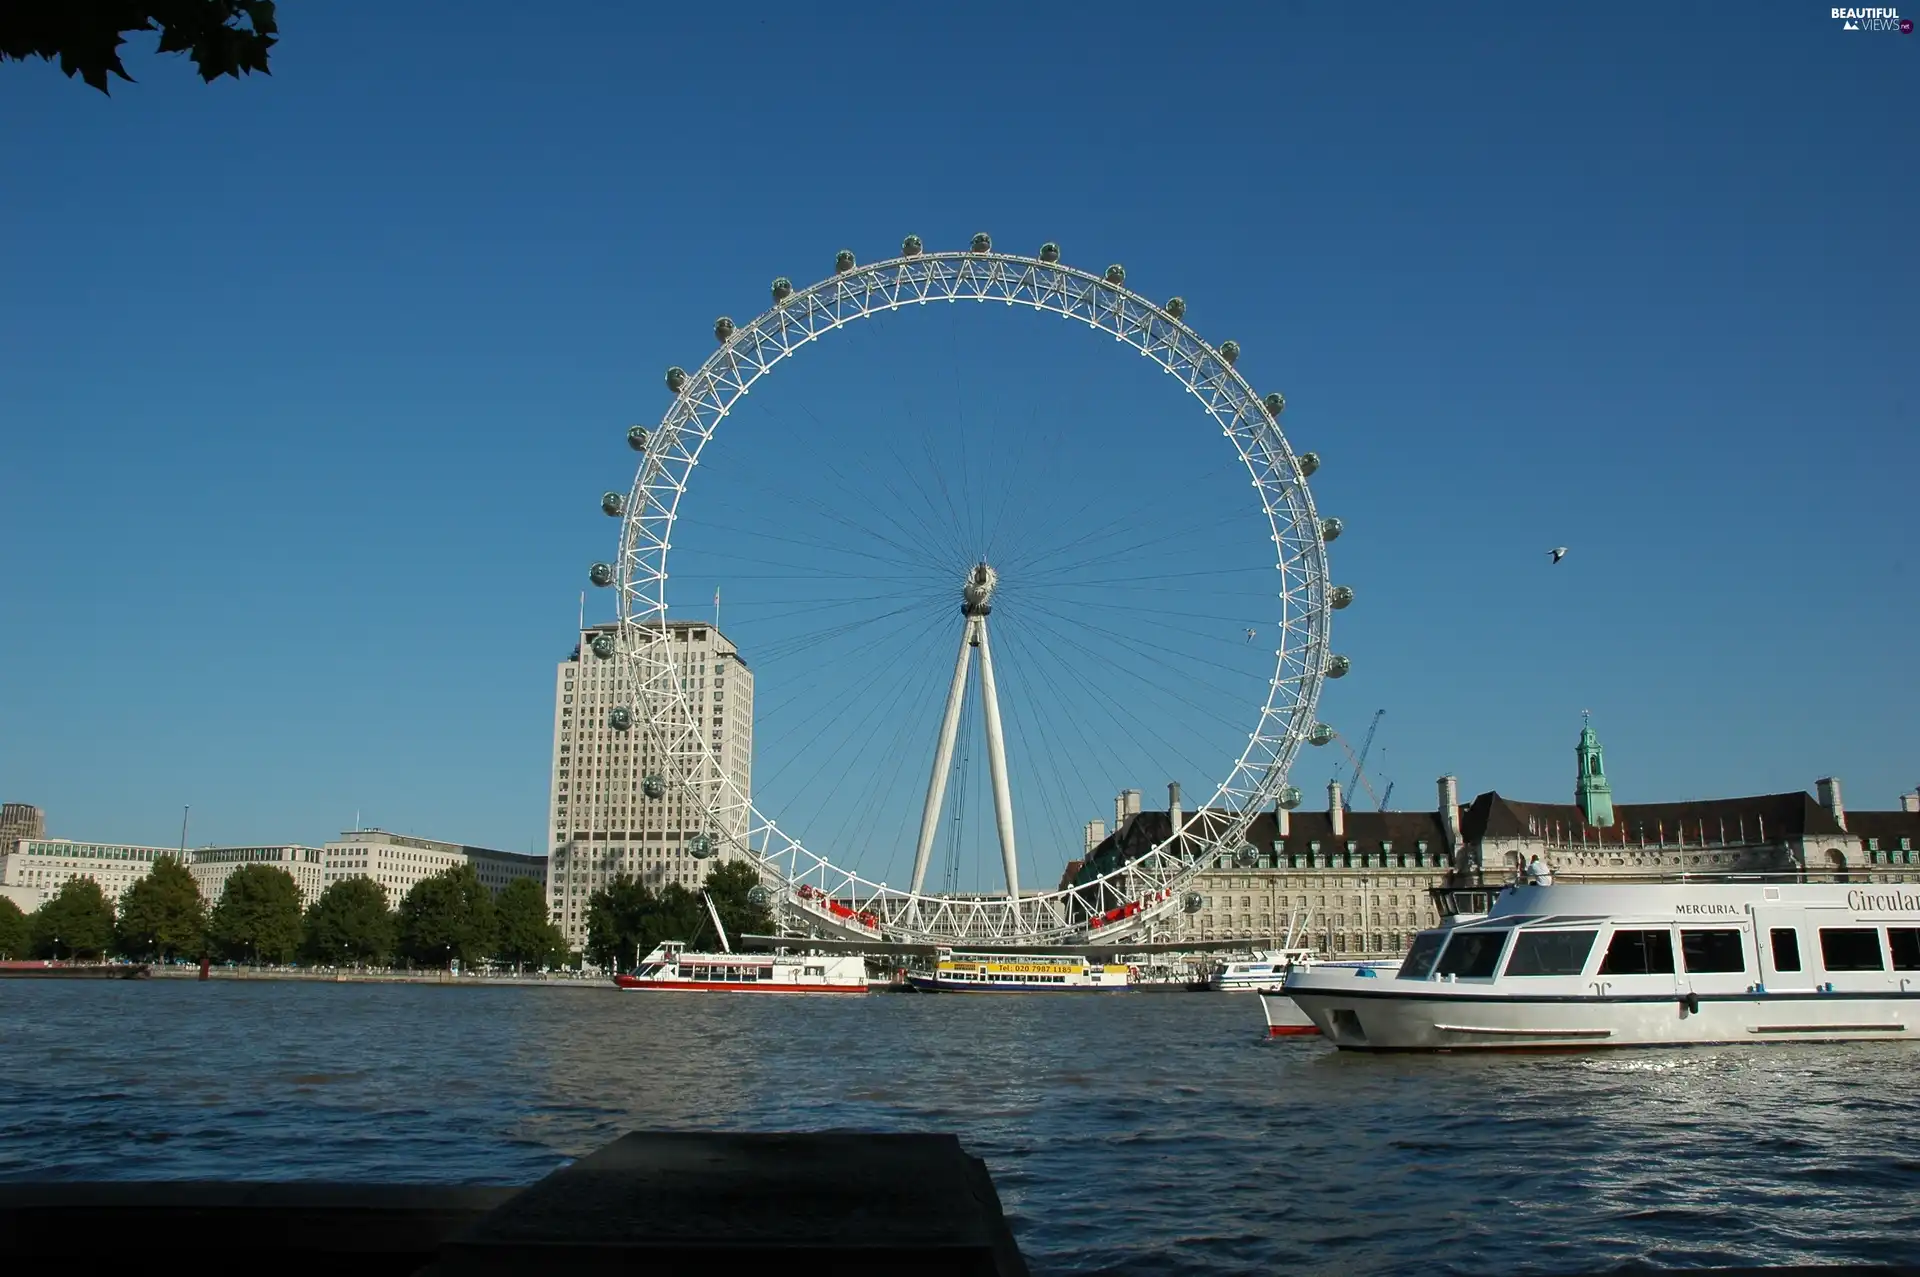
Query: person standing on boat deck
column 1540, row 873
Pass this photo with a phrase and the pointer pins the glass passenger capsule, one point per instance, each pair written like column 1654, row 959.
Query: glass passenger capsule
column 759, row 896
column 722, row 329
column 782, row 289
column 603, row 646
column 1319, row 734
column 1331, row 528
column 983, row 243
column 654, row 785
column 601, row 574
column 700, row 847
column 843, row 261
column 620, row 718
column 1230, row 351
column 1339, row 596
column 614, row 503
column 1193, row 903
column 676, row 379
column 1290, row 797
column 1276, row 404
column 1337, row 666
column 1177, row 307
column 637, row 438
column 911, row 246
column 1116, row 274
column 1049, row 252
column 1309, row 462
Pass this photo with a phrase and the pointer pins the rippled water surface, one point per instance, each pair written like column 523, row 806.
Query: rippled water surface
column 1142, row 1133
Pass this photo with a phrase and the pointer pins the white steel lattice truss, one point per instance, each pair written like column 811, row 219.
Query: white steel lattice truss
column 821, row 897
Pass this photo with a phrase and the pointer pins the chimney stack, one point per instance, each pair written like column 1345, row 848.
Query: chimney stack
column 1096, row 834
column 1450, row 812
column 1829, row 789
column 1282, row 822
column 1174, row 814
column 1910, row 802
column 1336, row 812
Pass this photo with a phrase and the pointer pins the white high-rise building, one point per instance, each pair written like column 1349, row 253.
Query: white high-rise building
column 600, row 820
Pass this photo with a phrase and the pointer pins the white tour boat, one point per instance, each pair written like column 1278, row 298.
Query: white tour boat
column 1018, row 973
column 1264, row 972
column 671, row 967
column 1638, row 964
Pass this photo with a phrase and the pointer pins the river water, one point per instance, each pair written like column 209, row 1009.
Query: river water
column 1138, row 1133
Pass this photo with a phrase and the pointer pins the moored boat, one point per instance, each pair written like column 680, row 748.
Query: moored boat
column 1638, row 964
column 671, row 967
column 1003, row 973
column 1285, row 1019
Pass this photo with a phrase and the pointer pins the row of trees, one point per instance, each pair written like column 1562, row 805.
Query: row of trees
column 450, row 916
column 627, row 918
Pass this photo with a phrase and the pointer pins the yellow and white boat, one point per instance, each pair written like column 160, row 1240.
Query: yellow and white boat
column 1019, row 973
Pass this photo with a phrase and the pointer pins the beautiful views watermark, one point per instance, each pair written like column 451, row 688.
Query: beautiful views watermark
column 1873, row 20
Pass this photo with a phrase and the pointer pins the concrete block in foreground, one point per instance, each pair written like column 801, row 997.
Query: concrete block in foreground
column 703, row 1203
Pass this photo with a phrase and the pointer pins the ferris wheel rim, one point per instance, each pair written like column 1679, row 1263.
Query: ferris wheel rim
column 706, row 396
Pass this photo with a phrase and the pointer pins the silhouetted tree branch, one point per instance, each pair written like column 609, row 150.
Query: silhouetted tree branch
column 85, row 35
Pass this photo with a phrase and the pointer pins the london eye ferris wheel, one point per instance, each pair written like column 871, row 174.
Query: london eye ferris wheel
column 812, row 887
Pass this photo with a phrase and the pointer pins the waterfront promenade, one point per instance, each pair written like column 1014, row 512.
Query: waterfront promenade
column 378, row 975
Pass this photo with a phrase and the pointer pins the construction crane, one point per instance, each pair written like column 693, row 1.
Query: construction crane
column 1359, row 777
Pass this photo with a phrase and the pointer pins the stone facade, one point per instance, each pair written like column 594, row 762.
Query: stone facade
column 1357, row 884
column 398, row 861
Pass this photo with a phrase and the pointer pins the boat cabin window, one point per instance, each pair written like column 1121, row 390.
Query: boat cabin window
column 1786, row 948
column 1639, row 953
column 1716, row 950
column 1850, row 949
column 1419, row 959
column 1473, row 955
column 1551, row 952
column 1905, row 943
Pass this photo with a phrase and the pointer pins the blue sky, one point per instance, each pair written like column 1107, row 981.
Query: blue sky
column 313, row 380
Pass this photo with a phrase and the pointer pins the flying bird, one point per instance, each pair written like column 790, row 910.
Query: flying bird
column 1252, row 634
column 1558, row 552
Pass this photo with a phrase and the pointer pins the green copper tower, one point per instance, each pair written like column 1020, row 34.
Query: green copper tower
column 1590, row 788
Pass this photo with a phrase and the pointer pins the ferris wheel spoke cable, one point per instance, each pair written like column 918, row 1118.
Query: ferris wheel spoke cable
column 808, row 749
column 1039, row 749
column 1069, row 673
column 1158, row 546
column 881, row 781
column 1151, row 652
column 1117, row 709
column 923, row 632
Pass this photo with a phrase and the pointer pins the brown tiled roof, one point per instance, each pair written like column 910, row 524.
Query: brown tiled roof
column 1366, row 829
column 1789, row 815
column 1887, row 826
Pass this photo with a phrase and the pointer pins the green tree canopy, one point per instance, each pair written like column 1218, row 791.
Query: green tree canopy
column 731, row 886
column 162, row 915
column 85, row 36
column 76, row 923
column 350, row 922
column 626, row 919
column 526, row 936
column 15, row 935
column 258, row 917
column 447, row 916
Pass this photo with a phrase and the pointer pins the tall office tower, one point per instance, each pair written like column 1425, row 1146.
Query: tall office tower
column 20, row 820
column 600, row 821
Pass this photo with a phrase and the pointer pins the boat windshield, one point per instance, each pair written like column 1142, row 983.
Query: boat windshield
column 1474, row 954
column 1419, row 959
